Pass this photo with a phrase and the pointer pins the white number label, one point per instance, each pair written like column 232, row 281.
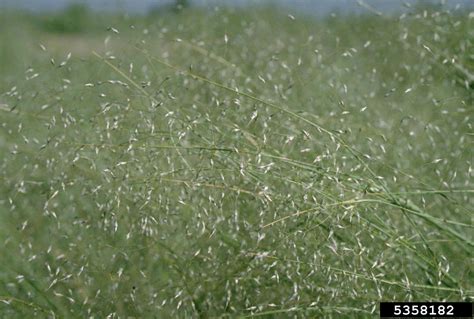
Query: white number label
column 450, row 310
column 397, row 310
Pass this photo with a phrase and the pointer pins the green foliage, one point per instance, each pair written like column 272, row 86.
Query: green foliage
column 182, row 4
column 163, row 10
column 236, row 163
column 75, row 18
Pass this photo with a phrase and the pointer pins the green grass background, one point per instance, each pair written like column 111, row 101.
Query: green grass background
column 234, row 163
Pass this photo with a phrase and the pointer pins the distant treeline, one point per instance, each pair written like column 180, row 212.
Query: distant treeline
column 77, row 18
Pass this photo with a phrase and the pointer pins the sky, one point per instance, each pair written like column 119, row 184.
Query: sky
column 308, row 6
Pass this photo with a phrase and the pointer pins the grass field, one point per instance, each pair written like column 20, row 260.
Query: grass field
column 234, row 163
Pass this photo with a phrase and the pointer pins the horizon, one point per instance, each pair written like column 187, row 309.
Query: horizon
column 321, row 7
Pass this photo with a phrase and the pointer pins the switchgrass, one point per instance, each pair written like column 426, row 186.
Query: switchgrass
column 236, row 164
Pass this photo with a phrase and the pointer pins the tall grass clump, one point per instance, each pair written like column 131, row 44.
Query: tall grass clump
column 238, row 163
